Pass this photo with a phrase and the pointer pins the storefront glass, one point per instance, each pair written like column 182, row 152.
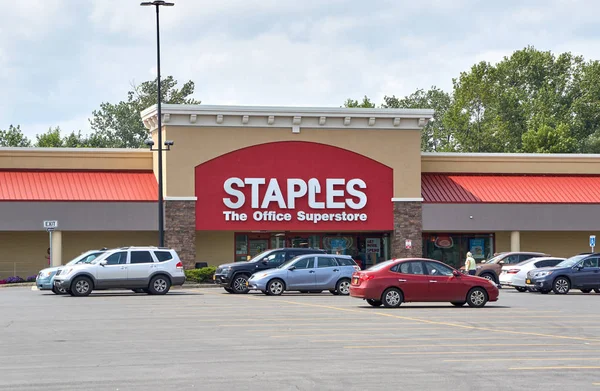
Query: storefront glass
column 365, row 248
column 452, row 248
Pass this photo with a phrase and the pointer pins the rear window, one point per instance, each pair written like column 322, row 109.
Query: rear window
column 346, row 261
column 163, row 256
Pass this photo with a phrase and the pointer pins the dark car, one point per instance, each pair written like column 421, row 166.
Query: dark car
column 580, row 272
column 398, row 281
column 234, row 276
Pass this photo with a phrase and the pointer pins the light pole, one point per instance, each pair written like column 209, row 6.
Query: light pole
column 161, row 223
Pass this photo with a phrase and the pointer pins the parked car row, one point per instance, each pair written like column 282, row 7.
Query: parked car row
column 389, row 283
column 151, row 270
column 545, row 274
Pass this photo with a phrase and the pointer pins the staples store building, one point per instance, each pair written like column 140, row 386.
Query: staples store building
column 239, row 180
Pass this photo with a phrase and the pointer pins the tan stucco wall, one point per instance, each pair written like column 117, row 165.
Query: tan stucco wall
column 27, row 250
column 75, row 159
column 398, row 149
column 559, row 244
column 215, row 247
column 510, row 164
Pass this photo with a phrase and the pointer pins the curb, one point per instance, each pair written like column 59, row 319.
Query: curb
column 184, row 286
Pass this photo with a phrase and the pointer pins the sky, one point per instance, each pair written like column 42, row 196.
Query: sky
column 59, row 59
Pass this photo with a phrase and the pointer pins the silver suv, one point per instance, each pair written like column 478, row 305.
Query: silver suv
column 150, row 270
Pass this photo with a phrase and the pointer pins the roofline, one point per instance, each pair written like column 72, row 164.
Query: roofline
column 287, row 111
column 87, row 150
column 504, row 155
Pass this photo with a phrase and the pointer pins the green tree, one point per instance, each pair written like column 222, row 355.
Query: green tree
column 51, row 139
column 13, row 137
column 120, row 125
column 532, row 101
column 365, row 104
column 434, row 136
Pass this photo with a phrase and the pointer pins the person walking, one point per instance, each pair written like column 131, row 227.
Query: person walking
column 470, row 264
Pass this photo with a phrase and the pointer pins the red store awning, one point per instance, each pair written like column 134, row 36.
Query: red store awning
column 77, row 186
column 517, row 189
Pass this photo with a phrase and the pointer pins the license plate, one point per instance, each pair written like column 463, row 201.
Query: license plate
column 528, row 281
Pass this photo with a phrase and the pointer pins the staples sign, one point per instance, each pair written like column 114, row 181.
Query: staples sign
column 333, row 189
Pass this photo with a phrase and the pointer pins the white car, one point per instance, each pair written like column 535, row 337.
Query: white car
column 515, row 275
column 150, row 270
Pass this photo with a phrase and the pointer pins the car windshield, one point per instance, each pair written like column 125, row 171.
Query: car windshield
column 258, row 257
column 381, row 265
column 288, row 263
column 571, row 261
column 83, row 258
column 496, row 259
column 100, row 257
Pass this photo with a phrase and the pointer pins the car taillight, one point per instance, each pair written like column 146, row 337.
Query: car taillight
column 366, row 277
column 513, row 271
column 179, row 265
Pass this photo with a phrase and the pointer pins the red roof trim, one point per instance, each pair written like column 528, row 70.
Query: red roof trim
column 510, row 189
column 78, row 186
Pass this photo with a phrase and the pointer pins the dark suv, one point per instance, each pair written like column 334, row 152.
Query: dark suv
column 580, row 272
column 234, row 276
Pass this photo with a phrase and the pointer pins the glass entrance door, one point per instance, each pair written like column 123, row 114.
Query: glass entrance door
column 257, row 246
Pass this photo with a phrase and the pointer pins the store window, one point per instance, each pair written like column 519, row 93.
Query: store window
column 452, row 248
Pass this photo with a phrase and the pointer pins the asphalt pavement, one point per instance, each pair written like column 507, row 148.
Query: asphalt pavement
column 206, row 339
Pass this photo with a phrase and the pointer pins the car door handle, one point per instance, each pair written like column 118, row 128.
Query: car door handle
column 336, row 270
column 432, row 280
column 401, row 280
column 123, row 267
column 312, row 271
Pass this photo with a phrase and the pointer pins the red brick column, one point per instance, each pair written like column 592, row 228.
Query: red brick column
column 180, row 230
column 408, row 224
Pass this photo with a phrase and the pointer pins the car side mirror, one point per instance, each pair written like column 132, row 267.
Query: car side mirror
column 264, row 262
column 103, row 263
column 578, row 267
column 456, row 273
column 292, row 268
column 501, row 262
column 484, row 261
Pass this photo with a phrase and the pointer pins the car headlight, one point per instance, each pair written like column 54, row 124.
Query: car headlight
column 543, row 274
column 226, row 270
column 66, row 271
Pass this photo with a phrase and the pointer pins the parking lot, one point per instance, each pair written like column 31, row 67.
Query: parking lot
column 210, row 340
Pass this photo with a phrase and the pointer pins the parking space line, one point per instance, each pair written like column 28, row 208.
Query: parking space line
column 483, row 352
column 551, row 368
column 392, row 339
column 453, row 345
column 432, row 322
column 524, row 359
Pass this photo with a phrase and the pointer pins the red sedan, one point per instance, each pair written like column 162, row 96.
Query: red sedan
column 398, row 281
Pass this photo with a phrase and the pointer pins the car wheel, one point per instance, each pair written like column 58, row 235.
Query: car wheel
column 597, row 290
column 458, row 303
column 159, row 285
column 520, row 289
column 228, row 290
column 59, row 291
column 81, row 286
column 239, row 284
column 489, row 276
column 544, row 291
column 275, row 287
column 392, row 297
column 477, row 297
column 374, row 303
column 561, row 286
column 586, row 290
column 343, row 287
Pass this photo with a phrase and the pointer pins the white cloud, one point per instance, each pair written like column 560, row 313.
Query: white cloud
column 61, row 59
